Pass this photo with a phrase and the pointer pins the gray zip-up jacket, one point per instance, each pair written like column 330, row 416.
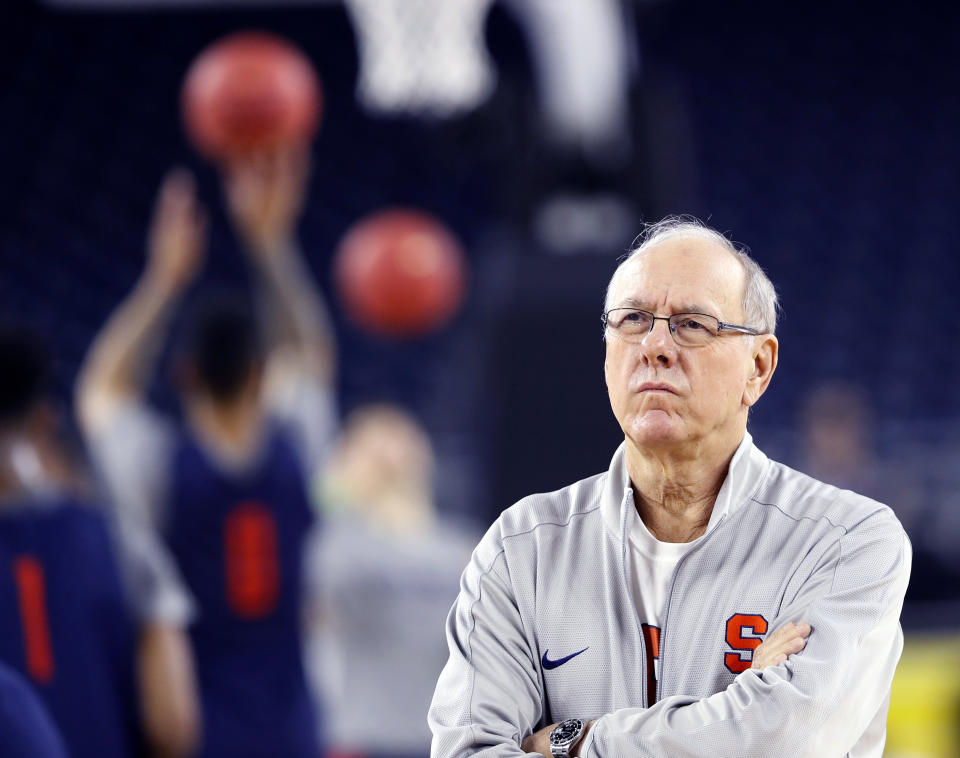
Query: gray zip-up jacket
column 551, row 574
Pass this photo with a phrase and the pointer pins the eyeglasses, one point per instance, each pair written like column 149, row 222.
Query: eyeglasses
column 688, row 329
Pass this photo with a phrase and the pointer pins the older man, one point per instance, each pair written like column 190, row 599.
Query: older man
column 620, row 615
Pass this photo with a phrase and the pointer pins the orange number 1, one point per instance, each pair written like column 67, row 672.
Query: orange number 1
column 31, row 587
column 651, row 636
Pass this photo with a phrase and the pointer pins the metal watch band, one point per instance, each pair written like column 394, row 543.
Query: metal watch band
column 565, row 736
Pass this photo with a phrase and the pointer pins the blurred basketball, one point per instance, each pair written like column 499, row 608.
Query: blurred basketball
column 248, row 91
column 400, row 273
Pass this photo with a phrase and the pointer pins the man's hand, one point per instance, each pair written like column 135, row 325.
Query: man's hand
column 539, row 741
column 265, row 193
column 786, row 641
column 176, row 243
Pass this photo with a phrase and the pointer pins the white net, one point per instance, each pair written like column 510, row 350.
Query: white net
column 422, row 57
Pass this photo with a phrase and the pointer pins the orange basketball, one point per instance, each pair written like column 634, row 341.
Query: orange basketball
column 400, row 273
column 248, row 91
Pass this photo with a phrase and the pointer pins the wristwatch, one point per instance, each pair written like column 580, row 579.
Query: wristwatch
column 564, row 736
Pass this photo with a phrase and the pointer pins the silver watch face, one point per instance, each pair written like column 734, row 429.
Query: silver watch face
column 565, row 732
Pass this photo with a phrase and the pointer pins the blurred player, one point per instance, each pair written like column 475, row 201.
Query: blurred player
column 64, row 623
column 227, row 492
column 25, row 727
column 385, row 553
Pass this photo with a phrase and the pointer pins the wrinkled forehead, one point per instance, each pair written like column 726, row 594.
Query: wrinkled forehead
column 682, row 274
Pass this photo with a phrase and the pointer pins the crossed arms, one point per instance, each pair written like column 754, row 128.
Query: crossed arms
column 818, row 703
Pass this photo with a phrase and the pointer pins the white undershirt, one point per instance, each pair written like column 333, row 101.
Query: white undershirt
column 651, row 565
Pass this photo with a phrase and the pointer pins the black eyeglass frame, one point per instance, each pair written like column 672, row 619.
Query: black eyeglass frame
column 722, row 326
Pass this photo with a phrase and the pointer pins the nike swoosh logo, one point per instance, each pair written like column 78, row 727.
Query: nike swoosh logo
column 548, row 664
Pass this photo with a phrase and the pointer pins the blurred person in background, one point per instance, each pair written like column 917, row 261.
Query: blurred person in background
column 64, row 620
column 385, row 574
column 836, row 433
column 220, row 505
column 620, row 615
column 25, row 726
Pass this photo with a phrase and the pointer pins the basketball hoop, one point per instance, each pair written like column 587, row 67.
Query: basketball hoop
column 422, row 57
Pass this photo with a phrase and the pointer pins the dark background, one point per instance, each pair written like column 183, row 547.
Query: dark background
column 824, row 137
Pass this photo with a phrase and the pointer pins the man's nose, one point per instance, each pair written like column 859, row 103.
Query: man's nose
column 658, row 344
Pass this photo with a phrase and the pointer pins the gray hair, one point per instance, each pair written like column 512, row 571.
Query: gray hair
column 760, row 304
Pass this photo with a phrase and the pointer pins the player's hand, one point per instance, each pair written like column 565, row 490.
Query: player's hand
column 265, row 193
column 177, row 240
column 786, row 641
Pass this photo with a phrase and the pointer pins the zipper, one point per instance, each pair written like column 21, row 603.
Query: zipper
column 628, row 493
column 666, row 608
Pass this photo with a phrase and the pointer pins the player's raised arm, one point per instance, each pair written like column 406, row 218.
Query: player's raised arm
column 118, row 365
column 265, row 194
column 130, row 450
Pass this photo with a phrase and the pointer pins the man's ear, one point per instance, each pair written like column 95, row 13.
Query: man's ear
column 765, row 352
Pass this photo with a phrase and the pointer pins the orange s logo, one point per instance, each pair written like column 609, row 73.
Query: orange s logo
column 736, row 625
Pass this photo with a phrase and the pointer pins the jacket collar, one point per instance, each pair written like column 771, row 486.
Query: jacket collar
column 747, row 469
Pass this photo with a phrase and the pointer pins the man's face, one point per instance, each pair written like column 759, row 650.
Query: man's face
column 664, row 394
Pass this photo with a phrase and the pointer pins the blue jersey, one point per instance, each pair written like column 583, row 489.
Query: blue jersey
column 238, row 540
column 26, row 729
column 64, row 623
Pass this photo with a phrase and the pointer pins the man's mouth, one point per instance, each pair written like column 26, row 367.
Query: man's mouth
column 657, row 387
